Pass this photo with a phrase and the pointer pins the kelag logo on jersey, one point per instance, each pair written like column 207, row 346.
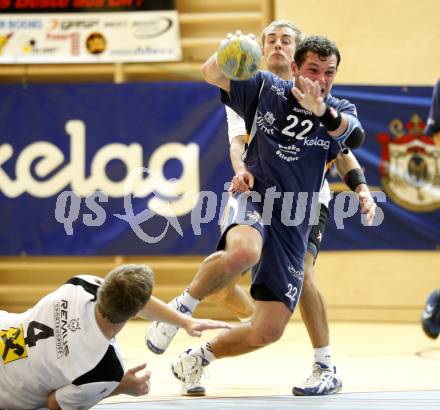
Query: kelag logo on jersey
column 317, row 142
column 410, row 166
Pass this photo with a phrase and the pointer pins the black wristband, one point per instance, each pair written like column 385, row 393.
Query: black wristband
column 354, row 178
column 331, row 119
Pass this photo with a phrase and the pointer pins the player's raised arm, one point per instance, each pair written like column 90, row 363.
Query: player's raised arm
column 213, row 75
column 238, row 58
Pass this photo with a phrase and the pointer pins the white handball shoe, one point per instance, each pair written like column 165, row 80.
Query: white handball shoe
column 189, row 370
column 321, row 382
column 159, row 335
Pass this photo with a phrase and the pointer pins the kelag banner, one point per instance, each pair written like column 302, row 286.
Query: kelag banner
column 141, row 168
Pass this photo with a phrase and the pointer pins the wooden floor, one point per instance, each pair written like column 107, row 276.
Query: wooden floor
column 382, row 366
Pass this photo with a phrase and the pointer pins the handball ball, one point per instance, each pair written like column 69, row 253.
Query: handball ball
column 239, row 57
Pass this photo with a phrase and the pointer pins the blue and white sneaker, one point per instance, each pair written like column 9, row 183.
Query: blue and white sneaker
column 159, row 335
column 321, row 382
column 431, row 315
column 189, row 370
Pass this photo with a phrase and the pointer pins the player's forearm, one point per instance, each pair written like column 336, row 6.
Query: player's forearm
column 236, row 152
column 52, row 403
column 121, row 388
column 342, row 127
column 319, row 111
column 213, row 75
column 362, row 188
column 351, row 172
column 155, row 309
column 345, row 162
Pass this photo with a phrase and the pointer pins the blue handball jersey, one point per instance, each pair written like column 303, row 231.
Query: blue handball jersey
column 288, row 148
column 289, row 151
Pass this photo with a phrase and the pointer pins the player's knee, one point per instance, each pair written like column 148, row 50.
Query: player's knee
column 309, row 275
column 308, row 282
column 266, row 335
column 243, row 256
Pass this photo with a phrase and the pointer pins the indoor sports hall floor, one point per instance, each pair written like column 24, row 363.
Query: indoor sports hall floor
column 383, row 366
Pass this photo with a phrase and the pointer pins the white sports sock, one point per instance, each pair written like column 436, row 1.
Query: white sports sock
column 205, row 351
column 188, row 301
column 324, row 355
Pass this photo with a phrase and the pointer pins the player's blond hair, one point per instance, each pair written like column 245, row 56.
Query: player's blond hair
column 125, row 292
column 298, row 35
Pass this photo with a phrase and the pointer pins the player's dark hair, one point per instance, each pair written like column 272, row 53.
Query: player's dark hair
column 319, row 45
column 125, row 292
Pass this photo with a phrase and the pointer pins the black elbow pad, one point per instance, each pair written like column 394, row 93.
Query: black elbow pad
column 355, row 139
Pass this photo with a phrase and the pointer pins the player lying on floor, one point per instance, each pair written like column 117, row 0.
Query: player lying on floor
column 61, row 354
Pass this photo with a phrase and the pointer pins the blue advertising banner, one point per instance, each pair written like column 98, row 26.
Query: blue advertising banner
column 399, row 161
column 140, row 169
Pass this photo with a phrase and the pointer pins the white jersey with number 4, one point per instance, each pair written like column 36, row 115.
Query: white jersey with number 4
column 236, row 127
column 58, row 345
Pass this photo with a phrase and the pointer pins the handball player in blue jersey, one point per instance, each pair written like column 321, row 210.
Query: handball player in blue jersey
column 279, row 40
column 297, row 130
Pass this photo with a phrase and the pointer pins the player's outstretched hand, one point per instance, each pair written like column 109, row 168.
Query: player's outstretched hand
column 242, row 182
column 135, row 385
column 309, row 95
column 195, row 327
column 367, row 205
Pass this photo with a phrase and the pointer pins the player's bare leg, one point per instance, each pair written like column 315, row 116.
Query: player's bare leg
column 234, row 298
column 323, row 379
column 242, row 251
column 312, row 307
column 261, row 331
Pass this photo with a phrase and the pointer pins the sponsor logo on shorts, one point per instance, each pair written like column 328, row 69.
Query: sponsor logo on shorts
column 296, row 273
column 319, row 236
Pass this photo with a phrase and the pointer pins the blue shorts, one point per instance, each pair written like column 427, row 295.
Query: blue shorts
column 281, row 266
